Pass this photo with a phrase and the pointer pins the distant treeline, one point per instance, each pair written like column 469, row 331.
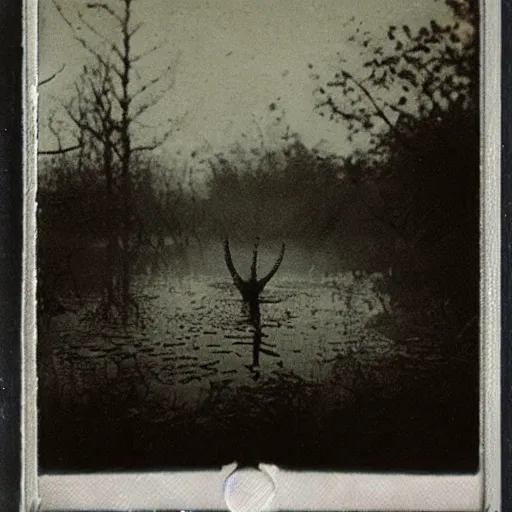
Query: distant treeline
column 419, row 219
column 290, row 195
column 406, row 205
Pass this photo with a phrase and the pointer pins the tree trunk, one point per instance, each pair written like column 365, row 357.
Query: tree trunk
column 125, row 163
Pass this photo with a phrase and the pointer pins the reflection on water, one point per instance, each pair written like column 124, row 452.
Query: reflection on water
column 199, row 373
column 198, row 336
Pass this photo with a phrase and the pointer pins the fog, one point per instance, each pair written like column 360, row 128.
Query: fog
column 173, row 331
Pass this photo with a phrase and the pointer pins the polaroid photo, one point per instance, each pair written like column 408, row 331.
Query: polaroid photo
column 262, row 255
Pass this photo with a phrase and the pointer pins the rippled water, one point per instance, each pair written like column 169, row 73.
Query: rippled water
column 196, row 335
column 187, row 375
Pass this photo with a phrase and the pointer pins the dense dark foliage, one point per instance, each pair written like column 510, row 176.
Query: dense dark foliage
column 415, row 102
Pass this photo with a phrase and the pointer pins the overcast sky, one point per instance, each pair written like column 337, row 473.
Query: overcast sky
column 234, row 58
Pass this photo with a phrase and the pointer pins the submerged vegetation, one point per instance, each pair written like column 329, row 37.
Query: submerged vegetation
column 330, row 390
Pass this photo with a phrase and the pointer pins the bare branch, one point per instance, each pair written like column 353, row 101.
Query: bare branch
column 135, row 29
column 147, row 85
column 149, row 147
column 50, row 78
column 367, row 93
column 151, row 50
column 101, row 90
column 112, row 44
column 106, row 8
column 53, row 130
column 150, row 103
column 154, row 81
column 84, row 43
column 59, row 151
column 81, row 124
column 329, row 102
column 157, row 142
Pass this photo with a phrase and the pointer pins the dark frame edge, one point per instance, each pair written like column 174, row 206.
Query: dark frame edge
column 11, row 243
column 11, row 193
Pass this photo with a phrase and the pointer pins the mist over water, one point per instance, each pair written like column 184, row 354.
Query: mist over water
column 192, row 356
column 194, row 330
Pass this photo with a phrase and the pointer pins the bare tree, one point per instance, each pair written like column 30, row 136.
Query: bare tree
column 112, row 96
column 59, row 150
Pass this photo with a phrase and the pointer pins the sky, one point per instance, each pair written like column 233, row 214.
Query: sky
column 231, row 60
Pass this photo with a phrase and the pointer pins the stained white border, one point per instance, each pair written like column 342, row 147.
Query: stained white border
column 490, row 253
column 29, row 490
column 203, row 490
column 295, row 491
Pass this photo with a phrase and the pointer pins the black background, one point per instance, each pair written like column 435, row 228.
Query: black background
column 10, row 251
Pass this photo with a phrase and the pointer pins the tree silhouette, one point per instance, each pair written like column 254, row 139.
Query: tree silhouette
column 413, row 106
column 112, row 96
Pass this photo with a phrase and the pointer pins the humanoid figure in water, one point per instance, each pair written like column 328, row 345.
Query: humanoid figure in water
column 251, row 288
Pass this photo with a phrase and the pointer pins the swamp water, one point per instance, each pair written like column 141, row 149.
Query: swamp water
column 187, row 380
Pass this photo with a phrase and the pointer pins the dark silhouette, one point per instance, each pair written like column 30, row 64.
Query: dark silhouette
column 251, row 288
column 250, row 291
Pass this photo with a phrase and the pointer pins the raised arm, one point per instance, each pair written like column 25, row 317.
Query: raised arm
column 262, row 282
column 231, row 267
